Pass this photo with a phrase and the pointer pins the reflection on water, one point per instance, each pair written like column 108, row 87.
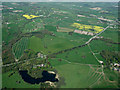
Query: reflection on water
column 46, row 77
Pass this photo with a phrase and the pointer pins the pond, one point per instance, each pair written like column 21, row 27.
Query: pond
column 46, row 77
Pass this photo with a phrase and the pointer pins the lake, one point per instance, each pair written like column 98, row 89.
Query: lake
column 46, row 77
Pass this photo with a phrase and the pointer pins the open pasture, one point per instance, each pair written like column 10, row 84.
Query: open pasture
column 50, row 44
column 80, row 55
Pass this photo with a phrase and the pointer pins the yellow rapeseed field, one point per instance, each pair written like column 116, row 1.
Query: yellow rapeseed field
column 30, row 16
column 87, row 27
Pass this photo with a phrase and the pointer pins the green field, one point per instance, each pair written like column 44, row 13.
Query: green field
column 37, row 25
column 50, row 44
column 13, row 79
column 76, row 75
column 81, row 55
column 112, row 34
column 111, row 80
column 39, row 36
column 20, row 46
column 82, row 76
column 98, row 45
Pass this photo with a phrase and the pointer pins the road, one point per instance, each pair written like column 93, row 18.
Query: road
column 63, row 50
column 97, row 35
column 17, row 62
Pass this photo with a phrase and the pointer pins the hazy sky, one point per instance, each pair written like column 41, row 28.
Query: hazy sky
column 60, row 0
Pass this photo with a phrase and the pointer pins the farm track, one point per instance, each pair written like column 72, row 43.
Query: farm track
column 77, row 63
column 96, row 71
column 62, row 51
column 17, row 62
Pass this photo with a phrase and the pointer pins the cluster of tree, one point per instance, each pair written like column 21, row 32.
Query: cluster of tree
column 28, row 53
column 50, row 28
column 40, row 34
column 9, row 68
column 107, row 40
column 110, row 57
column 7, row 56
column 66, row 50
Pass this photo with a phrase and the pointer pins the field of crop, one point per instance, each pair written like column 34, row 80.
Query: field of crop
column 19, row 47
column 30, row 16
column 95, row 29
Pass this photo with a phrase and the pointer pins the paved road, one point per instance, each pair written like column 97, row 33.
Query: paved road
column 62, row 50
column 96, row 35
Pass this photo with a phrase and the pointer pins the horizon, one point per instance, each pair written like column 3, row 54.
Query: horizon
column 60, row 1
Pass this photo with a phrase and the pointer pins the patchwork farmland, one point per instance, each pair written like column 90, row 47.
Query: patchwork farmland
column 74, row 44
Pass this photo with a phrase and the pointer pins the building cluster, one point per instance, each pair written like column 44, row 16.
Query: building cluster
column 84, row 32
column 40, row 65
column 101, row 62
column 41, row 55
column 115, row 66
column 113, row 26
